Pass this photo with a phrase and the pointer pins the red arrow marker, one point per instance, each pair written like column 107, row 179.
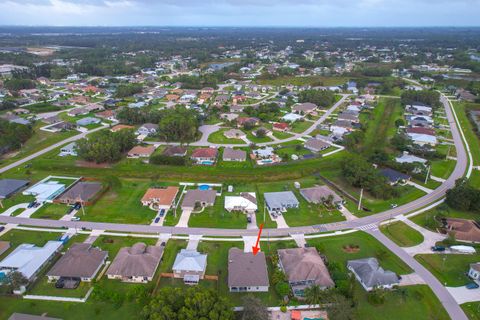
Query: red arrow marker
column 257, row 248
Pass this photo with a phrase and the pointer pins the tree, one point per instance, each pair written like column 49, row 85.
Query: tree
column 322, row 98
column 282, row 288
column 106, row 146
column 314, row 295
column 463, row 196
column 339, row 307
column 179, row 124
column 254, row 309
column 188, row 304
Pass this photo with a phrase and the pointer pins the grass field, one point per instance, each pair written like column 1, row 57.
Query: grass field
column 402, row 234
column 300, row 81
column 442, row 168
column 472, row 310
column 300, row 126
column 217, row 217
column 449, row 269
column 52, row 211
column 17, row 237
column 218, row 137
column 114, row 244
column 472, row 139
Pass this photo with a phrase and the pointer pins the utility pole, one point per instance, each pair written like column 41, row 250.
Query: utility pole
column 428, row 174
column 448, row 151
column 360, row 200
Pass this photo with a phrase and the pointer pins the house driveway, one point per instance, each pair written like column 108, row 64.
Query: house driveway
column 280, row 220
column 193, row 241
column 347, row 214
column 299, row 239
column 429, row 238
column 183, row 222
column 10, row 210
column 419, row 187
column 411, row 279
column 249, row 242
column 463, row 295
column 252, row 225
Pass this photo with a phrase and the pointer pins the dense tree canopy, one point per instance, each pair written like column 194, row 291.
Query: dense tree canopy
column 138, row 115
column 13, row 135
column 463, row 197
column 179, row 124
column 322, row 98
column 194, row 303
column 106, row 146
column 126, row 90
column 429, row 97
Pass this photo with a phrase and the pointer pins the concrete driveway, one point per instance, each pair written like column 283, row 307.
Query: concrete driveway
column 183, row 222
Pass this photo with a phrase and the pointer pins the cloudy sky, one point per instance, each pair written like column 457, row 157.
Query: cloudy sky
column 317, row 13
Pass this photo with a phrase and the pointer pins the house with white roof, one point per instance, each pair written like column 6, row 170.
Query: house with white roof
column 410, row 158
column 28, row 259
column 190, row 265
column 246, row 202
column 292, row 117
column 423, row 139
column 45, row 191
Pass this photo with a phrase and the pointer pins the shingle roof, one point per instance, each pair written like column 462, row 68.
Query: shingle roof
column 138, row 260
column 229, row 153
column 83, row 191
column 318, row 193
column 165, row 195
column 246, row 269
column 371, row 274
column 10, row 186
column 204, row 153
column 190, row 260
column 24, row 316
column 81, row 260
column 194, row 196
column 302, row 264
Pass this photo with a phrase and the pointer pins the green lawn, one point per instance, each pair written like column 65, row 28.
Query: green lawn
column 52, row 211
column 472, row 139
column 17, row 237
column 472, row 310
column 413, row 302
column 475, row 179
column 281, row 135
column 449, row 269
column 121, row 205
column 430, row 219
column 402, row 234
column 218, row 137
column 14, row 200
column 45, row 288
column 217, row 217
column 442, row 168
column 300, row 126
column 255, row 139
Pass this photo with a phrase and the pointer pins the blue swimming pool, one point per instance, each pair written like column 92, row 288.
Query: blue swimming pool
column 207, row 162
column 204, row 187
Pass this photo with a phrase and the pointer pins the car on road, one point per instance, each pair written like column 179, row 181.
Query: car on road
column 472, row 285
column 157, row 219
column 75, row 219
column 393, row 205
column 438, row 248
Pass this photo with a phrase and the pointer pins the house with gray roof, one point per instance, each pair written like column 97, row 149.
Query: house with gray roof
column 280, row 201
column 83, row 192
column 316, row 145
column 304, row 268
column 204, row 198
column 137, row 263
column 370, row 275
column 247, row 272
column 87, row 121
column 81, row 261
column 190, row 265
column 230, row 154
column 320, row 194
column 9, row 187
column 24, row 316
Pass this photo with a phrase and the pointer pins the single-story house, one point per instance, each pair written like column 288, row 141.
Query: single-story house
column 316, row 145
column 304, row 268
column 81, row 261
column 69, row 150
column 281, row 126
column 9, row 187
column 280, row 201
column 419, row 110
column 204, row 155
column 370, row 275
column 28, row 259
column 163, row 198
column 464, row 229
column 87, row 121
column 410, row 158
column 230, row 154
column 320, row 194
column 241, row 121
column 175, row 151
column 141, row 152
column 234, row 134
column 420, row 130
column 423, row 139
column 394, row 177
column 474, row 271
column 83, row 192
column 305, row 108
column 190, row 265
column 45, row 191
column 204, row 198
column 77, row 112
column 247, row 272
column 291, row 117
column 148, row 129
column 137, row 263
column 246, row 202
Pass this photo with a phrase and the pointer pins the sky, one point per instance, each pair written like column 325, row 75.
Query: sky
column 294, row 13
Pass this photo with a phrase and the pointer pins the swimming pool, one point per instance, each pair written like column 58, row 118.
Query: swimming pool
column 204, row 187
column 206, row 162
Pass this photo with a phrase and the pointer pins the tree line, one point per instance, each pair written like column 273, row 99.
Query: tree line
column 106, row 146
column 13, row 135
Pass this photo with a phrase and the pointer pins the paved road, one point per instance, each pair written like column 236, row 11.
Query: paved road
column 48, row 149
column 446, row 299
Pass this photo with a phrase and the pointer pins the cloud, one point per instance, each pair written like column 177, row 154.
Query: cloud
column 241, row 13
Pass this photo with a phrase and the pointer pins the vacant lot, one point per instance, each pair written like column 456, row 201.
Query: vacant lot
column 402, row 234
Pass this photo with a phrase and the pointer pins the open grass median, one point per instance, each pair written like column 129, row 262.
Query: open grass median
column 402, row 234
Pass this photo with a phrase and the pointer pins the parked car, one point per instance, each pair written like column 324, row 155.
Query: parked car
column 438, row 248
column 472, row 285
column 77, row 206
column 31, row 204
column 2, row 228
column 249, row 219
column 393, row 205
column 75, row 219
column 157, row 219
column 162, row 212
column 36, row 205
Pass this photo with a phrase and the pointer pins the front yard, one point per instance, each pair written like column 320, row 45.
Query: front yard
column 402, row 234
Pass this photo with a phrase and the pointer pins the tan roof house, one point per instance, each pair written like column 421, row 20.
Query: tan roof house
column 160, row 197
column 137, row 263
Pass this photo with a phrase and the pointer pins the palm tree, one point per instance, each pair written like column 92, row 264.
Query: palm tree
column 314, row 295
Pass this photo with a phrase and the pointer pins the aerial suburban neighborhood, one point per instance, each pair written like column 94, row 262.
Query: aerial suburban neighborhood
column 238, row 173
